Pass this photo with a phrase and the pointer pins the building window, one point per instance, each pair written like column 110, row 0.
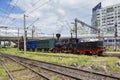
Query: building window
column 118, row 12
column 109, row 14
column 118, row 6
column 118, row 22
column 110, row 23
column 110, row 9
column 110, row 29
column 110, row 17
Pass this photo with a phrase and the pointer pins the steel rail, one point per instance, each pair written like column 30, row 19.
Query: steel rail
column 59, row 72
column 92, row 72
column 7, row 71
column 56, row 56
column 55, row 71
column 40, row 74
column 45, row 68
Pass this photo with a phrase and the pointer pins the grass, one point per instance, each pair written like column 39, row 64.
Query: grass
column 19, row 75
column 112, row 49
column 3, row 73
column 82, row 60
column 54, row 78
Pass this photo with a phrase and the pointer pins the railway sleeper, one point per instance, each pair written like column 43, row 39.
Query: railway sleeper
column 18, row 70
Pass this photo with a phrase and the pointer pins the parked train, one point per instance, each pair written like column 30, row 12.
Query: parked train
column 38, row 45
column 71, row 45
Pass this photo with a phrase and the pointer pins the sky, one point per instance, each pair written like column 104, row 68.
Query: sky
column 49, row 16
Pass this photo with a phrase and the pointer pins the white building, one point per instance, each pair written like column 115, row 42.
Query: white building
column 106, row 18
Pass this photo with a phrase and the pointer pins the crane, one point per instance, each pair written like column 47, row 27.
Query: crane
column 83, row 23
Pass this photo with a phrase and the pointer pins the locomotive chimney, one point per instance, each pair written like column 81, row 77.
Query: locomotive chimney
column 58, row 36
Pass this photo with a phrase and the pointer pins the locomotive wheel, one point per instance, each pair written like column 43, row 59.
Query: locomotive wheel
column 54, row 51
column 88, row 53
column 75, row 52
column 33, row 50
column 100, row 54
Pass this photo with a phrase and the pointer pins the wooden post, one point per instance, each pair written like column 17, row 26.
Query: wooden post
column 18, row 38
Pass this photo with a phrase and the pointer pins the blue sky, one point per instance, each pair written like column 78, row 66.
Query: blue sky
column 54, row 15
column 6, row 6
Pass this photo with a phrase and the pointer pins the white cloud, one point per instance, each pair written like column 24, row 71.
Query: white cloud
column 110, row 2
column 52, row 12
column 70, row 2
column 17, row 16
column 61, row 12
column 23, row 4
column 36, row 14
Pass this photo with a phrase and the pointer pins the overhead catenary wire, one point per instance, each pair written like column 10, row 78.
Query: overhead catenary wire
column 6, row 10
column 33, row 23
column 10, row 12
column 39, row 0
column 36, row 2
column 82, row 17
column 35, row 8
column 3, row 11
column 4, row 20
column 38, row 7
column 85, row 16
column 32, row 10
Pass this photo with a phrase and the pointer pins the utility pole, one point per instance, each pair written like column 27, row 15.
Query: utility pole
column 71, row 35
column 33, row 31
column 18, row 38
column 71, row 32
column 115, row 40
column 76, row 29
column 53, row 35
column 25, row 34
column 99, row 36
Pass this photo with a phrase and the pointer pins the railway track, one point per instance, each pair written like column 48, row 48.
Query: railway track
column 20, row 71
column 41, row 71
column 7, row 71
column 60, row 56
column 111, row 54
column 115, row 54
column 63, row 72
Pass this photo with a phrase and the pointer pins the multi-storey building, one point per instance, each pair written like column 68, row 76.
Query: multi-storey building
column 106, row 18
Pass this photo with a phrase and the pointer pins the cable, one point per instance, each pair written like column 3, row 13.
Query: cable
column 10, row 11
column 36, row 8
column 6, row 10
column 32, row 23
column 36, row 2
column 30, row 13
